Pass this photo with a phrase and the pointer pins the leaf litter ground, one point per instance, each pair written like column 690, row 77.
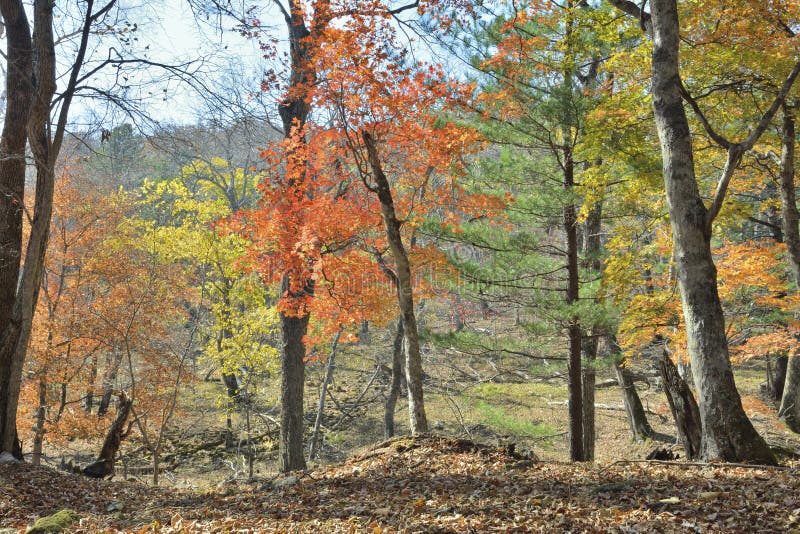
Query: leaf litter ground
column 428, row 484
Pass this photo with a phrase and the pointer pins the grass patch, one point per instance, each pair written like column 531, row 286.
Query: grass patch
column 517, row 392
column 508, row 424
column 748, row 379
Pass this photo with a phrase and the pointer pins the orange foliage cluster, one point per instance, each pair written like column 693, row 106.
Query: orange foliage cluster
column 317, row 221
column 104, row 296
column 755, row 295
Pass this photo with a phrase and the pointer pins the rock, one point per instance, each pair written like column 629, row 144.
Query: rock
column 57, row 522
column 284, row 482
column 8, row 458
column 115, row 506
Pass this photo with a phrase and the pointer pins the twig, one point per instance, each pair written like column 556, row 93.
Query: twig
column 542, row 438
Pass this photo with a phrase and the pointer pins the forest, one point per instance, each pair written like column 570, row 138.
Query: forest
column 399, row 266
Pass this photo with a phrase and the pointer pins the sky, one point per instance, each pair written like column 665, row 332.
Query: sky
column 168, row 32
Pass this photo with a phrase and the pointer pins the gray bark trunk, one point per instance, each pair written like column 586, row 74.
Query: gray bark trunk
column 104, row 465
column 727, row 432
column 109, row 379
column 89, row 400
column 38, row 428
column 592, row 243
column 683, row 407
column 294, row 110
column 637, row 418
column 329, row 367
column 790, row 400
column 588, row 376
column 777, row 378
column 397, row 382
column 30, row 85
column 19, row 95
column 416, row 404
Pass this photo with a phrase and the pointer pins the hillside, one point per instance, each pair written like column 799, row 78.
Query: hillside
column 431, row 484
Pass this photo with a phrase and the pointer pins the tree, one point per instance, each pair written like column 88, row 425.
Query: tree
column 790, row 398
column 62, row 350
column 297, row 241
column 36, row 116
column 727, row 432
column 540, row 71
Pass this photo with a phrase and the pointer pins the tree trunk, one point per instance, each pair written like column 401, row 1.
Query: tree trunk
column 329, row 366
column 156, row 456
column 14, row 342
column 38, row 428
column 790, row 399
column 89, row 400
column 588, row 375
column 294, row 110
column 779, row 377
column 592, row 258
column 109, row 379
column 230, row 380
column 637, row 418
column 104, row 465
column 727, row 432
column 397, row 381
column 683, row 407
column 576, row 443
column 30, row 88
column 293, row 368
column 416, row 404
column 19, row 95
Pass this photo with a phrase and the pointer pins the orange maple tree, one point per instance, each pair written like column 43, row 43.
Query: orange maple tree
column 316, row 220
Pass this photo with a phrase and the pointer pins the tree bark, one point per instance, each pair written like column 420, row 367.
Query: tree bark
column 293, row 368
column 104, row 465
column 329, row 367
column 109, row 378
column 790, row 399
column 38, row 428
column 637, row 418
column 19, row 96
column 592, row 243
column 89, row 400
column 576, row 448
column 728, row 434
column 683, row 407
column 397, row 382
column 229, row 380
column 294, row 110
column 416, row 404
column 778, row 378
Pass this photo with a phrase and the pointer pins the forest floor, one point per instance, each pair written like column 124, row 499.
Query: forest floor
column 427, row 484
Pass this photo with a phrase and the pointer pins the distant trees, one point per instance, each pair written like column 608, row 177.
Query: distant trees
column 36, row 116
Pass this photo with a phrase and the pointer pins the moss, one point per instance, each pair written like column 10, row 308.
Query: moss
column 57, row 522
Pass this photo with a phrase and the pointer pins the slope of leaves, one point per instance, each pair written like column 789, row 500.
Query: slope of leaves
column 430, row 484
